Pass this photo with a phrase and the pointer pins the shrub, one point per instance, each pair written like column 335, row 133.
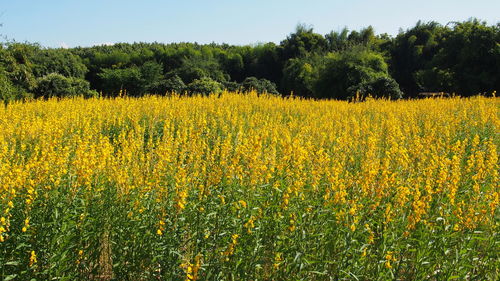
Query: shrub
column 231, row 86
column 57, row 85
column 204, row 86
column 174, row 84
column 345, row 72
column 378, row 87
column 259, row 85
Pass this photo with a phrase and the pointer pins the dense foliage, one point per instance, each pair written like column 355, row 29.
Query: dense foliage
column 461, row 58
column 236, row 186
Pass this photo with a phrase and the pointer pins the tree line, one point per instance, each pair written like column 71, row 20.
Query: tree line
column 459, row 57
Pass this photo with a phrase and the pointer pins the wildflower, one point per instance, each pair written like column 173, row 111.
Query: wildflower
column 2, row 230
column 230, row 249
column 278, row 259
column 243, row 203
column 33, row 259
column 190, row 269
column 249, row 225
column 363, row 254
column 388, row 258
column 292, row 223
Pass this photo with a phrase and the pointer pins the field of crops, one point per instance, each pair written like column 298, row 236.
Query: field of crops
column 247, row 187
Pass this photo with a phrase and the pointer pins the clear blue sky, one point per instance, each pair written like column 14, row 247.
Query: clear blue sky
column 57, row 23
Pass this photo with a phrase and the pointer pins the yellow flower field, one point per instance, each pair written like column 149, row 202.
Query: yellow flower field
column 247, row 187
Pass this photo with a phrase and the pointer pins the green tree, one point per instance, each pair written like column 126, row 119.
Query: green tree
column 337, row 41
column 347, row 71
column 301, row 74
column 151, row 77
column 57, row 85
column 114, row 59
column 265, row 62
column 259, row 85
column 59, row 61
column 126, row 80
column 412, row 51
column 232, row 63
column 16, row 60
column 231, row 86
column 173, row 84
column 204, row 86
column 467, row 61
column 302, row 42
column 9, row 92
column 378, row 87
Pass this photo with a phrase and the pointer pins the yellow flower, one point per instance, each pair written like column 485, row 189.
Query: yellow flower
column 33, row 259
column 278, row 258
column 243, row 203
column 249, row 225
column 234, row 237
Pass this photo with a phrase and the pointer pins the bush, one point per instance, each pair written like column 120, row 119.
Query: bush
column 57, row 85
column 259, row 85
column 378, row 87
column 204, row 86
column 174, row 84
column 231, row 86
column 345, row 72
column 115, row 80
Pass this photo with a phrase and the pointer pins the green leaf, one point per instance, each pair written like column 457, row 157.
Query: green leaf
column 10, row 277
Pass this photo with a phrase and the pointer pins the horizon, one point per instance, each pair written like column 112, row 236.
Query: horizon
column 60, row 24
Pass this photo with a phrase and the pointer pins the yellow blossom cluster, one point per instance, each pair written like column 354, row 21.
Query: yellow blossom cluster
column 249, row 182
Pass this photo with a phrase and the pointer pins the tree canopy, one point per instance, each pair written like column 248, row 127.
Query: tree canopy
column 459, row 57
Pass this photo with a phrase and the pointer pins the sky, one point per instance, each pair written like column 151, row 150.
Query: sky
column 71, row 23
